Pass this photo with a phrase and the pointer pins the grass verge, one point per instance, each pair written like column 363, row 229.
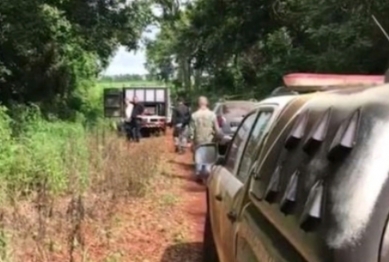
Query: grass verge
column 61, row 184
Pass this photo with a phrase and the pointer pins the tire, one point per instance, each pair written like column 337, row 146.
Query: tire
column 209, row 248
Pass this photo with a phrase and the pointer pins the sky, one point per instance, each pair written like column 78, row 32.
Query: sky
column 125, row 62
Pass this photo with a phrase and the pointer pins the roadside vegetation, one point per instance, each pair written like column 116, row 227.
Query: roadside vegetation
column 60, row 162
column 61, row 166
column 243, row 48
column 57, row 178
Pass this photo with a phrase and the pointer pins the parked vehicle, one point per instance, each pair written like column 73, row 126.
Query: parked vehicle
column 305, row 178
column 156, row 101
column 229, row 114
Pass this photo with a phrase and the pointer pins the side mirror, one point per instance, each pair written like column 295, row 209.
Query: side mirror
column 205, row 156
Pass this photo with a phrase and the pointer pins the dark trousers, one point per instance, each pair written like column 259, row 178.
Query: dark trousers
column 128, row 130
column 135, row 126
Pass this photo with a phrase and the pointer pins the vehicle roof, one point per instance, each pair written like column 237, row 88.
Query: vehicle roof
column 315, row 82
column 279, row 100
column 237, row 102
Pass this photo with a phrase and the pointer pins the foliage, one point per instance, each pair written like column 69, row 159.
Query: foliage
column 244, row 47
column 127, row 78
column 52, row 51
column 60, row 180
column 58, row 156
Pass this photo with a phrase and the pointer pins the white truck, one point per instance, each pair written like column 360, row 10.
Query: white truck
column 156, row 101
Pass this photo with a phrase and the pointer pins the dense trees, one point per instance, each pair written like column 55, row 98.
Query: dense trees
column 244, row 47
column 127, row 78
column 51, row 51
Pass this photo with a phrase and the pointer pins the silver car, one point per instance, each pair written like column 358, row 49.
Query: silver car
column 230, row 113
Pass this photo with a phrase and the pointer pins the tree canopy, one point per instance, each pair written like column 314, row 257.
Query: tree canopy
column 244, row 47
column 52, row 50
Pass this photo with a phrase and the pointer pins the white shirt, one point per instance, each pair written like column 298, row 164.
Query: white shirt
column 128, row 112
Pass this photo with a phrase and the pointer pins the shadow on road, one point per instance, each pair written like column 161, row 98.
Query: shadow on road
column 185, row 166
column 195, row 188
column 188, row 252
column 174, row 176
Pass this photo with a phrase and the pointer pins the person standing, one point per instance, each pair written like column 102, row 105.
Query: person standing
column 203, row 127
column 180, row 121
column 136, row 120
column 127, row 120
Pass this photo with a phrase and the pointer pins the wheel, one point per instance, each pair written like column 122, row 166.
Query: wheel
column 209, row 248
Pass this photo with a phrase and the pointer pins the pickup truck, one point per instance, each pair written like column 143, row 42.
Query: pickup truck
column 305, row 178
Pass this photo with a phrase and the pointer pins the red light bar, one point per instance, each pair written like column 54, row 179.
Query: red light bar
column 316, row 81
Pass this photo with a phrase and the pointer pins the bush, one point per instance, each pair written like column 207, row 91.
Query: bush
column 62, row 157
column 55, row 173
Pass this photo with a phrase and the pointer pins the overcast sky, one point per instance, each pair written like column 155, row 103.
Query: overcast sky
column 132, row 62
column 127, row 63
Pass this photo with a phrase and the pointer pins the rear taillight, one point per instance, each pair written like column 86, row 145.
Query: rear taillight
column 220, row 121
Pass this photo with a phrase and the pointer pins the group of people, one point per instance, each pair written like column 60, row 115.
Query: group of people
column 200, row 126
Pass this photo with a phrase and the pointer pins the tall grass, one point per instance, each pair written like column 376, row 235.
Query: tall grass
column 50, row 171
column 40, row 153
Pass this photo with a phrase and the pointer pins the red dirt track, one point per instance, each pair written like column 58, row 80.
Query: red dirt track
column 193, row 204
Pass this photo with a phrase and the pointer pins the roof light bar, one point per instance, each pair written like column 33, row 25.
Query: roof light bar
column 317, row 82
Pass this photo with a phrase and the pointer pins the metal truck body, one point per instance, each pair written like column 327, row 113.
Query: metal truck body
column 156, row 101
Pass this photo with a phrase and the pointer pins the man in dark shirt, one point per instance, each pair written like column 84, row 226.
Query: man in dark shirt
column 136, row 121
column 180, row 121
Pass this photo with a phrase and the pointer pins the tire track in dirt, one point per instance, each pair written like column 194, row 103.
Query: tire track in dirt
column 192, row 206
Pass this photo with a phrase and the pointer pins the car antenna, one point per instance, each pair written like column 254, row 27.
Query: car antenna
column 387, row 37
column 380, row 27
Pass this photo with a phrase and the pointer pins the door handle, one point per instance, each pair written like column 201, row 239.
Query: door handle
column 232, row 216
column 254, row 174
column 218, row 197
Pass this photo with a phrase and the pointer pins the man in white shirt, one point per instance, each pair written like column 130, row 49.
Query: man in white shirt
column 129, row 108
column 127, row 121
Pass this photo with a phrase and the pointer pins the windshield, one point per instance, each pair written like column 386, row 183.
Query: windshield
column 237, row 109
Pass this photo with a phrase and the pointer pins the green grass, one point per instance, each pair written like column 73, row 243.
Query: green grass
column 44, row 154
column 34, row 151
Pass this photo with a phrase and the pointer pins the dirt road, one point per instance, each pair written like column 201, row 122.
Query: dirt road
column 192, row 208
column 167, row 225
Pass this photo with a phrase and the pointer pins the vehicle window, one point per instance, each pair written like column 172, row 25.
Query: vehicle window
column 253, row 143
column 237, row 145
column 237, row 109
column 216, row 109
